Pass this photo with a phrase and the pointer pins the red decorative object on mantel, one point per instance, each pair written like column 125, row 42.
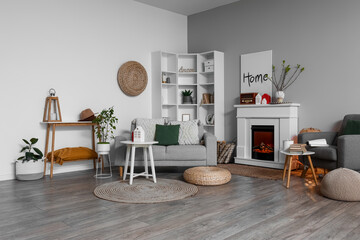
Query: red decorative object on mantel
column 267, row 98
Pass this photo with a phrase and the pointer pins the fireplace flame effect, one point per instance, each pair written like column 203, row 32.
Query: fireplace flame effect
column 264, row 148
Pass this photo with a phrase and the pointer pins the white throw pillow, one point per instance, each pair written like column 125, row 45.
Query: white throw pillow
column 188, row 133
column 149, row 126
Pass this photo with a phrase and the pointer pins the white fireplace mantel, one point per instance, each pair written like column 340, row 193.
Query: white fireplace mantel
column 284, row 118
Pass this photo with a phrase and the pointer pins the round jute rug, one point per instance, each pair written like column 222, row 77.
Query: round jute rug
column 145, row 191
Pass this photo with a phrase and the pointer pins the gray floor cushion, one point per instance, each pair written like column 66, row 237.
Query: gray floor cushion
column 341, row 184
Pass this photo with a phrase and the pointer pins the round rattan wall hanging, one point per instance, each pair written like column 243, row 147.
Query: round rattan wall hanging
column 132, row 78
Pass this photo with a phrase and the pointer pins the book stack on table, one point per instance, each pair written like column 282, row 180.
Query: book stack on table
column 297, row 148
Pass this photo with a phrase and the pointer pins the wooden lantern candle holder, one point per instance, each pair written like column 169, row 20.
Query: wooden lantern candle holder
column 52, row 100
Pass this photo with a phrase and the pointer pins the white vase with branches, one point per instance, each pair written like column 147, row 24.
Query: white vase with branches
column 285, row 80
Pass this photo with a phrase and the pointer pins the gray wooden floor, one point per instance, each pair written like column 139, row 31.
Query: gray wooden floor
column 245, row 208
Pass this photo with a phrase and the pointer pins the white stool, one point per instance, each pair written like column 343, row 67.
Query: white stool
column 131, row 146
column 100, row 170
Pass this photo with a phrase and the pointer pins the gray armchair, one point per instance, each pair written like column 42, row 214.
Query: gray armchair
column 344, row 150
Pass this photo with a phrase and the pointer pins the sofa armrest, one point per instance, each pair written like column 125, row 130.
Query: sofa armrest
column 210, row 144
column 120, row 149
column 349, row 151
column 329, row 136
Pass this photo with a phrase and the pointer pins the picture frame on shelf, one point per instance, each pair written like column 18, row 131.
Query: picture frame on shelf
column 185, row 117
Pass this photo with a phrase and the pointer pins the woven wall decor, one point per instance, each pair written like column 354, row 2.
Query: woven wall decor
column 132, row 78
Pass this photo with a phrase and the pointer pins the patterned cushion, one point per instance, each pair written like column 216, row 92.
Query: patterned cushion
column 149, row 126
column 189, row 132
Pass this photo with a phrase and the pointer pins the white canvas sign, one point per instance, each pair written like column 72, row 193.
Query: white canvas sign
column 254, row 67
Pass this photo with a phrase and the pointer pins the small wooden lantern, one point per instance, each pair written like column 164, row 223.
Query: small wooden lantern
column 55, row 115
column 139, row 134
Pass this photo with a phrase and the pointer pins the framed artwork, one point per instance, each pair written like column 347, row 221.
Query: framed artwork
column 256, row 68
column 185, row 117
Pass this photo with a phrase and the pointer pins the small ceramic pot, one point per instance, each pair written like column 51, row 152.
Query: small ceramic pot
column 103, row 148
column 279, row 95
column 187, row 99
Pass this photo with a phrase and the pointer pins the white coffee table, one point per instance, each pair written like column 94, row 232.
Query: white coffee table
column 131, row 147
column 288, row 159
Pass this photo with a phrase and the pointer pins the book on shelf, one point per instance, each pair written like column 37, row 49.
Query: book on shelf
column 206, row 98
column 297, row 148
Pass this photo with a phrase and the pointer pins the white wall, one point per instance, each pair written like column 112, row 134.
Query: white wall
column 321, row 35
column 76, row 47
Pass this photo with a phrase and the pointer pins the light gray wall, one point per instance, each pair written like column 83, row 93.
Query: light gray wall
column 321, row 35
column 77, row 48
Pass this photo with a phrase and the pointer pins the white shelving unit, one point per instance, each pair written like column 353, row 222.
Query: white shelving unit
column 186, row 71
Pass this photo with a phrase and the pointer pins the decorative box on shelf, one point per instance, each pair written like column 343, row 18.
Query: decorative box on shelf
column 209, row 69
column 209, row 65
column 209, row 62
column 248, row 98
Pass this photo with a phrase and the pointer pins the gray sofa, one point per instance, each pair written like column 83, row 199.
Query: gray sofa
column 344, row 150
column 174, row 155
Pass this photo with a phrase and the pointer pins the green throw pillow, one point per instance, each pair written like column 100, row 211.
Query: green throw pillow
column 352, row 127
column 167, row 134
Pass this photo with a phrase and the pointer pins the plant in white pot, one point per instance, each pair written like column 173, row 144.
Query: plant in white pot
column 105, row 129
column 31, row 165
column 285, row 80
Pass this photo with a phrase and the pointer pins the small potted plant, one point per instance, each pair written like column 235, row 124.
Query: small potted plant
column 105, row 129
column 187, row 99
column 30, row 166
column 285, row 80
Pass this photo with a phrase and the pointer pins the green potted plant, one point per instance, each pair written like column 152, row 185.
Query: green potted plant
column 105, row 129
column 187, row 99
column 285, row 80
column 30, row 166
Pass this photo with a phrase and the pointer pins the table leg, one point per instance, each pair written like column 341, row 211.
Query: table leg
column 146, row 162
column 126, row 161
column 312, row 169
column 120, row 171
column 52, row 150
column 303, row 174
column 289, row 172
column 93, row 144
column 102, row 163
column 46, row 146
column 133, row 149
column 152, row 163
column 285, row 165
column 97, row 166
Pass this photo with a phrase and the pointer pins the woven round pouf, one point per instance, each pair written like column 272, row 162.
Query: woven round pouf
column 207, row 176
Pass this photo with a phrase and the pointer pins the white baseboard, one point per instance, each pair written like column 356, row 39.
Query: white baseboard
column 7, row 176
column 67, row 167
column 70, row 167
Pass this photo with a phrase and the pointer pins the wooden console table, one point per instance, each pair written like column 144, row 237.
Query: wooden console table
column 52, row 126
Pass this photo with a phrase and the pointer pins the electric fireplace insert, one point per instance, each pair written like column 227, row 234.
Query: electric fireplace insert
column 262, row 142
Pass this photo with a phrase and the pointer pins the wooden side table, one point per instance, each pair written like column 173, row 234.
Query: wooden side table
column 288, row 160
column 131, row 148
column 52, row 126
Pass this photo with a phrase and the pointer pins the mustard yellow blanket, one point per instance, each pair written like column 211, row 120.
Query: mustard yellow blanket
column 72, row 154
